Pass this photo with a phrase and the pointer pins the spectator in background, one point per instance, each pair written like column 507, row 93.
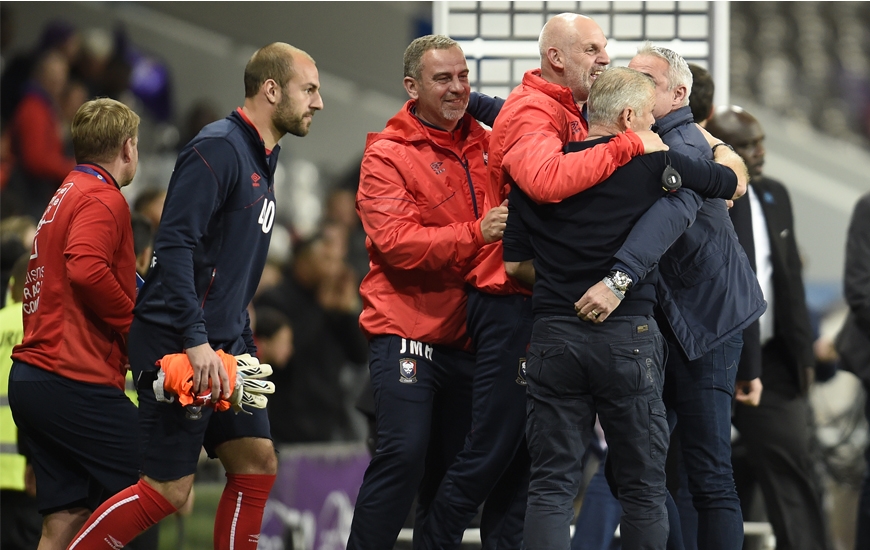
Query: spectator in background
column 701, row 100
column 773, row 450
column 57, row 36
column 38, row 148
column 16, row 238
column 74, row 95
column 853, row 342
column 19, row 515
column 341, row 209
column 274, row 337
column 319, row 296
column 143, row 242
column 202, row 112
column 149, row 203
column 90, row 65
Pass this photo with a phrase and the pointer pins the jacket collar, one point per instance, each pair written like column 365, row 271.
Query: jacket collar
column 97, row 171
column 269, row 161
column 673, row 119
column 560, row 93
column 406, row 127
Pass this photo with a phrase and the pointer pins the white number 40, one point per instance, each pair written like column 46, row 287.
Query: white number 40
column 267, row 216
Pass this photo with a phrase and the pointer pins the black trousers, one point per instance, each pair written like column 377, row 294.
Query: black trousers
column 774, row 453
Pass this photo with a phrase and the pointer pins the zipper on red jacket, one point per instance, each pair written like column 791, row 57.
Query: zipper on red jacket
column 470, row 187
column 211, row 282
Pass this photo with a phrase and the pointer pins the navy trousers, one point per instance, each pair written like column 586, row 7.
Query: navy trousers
column 493, row 465
column 422, row 398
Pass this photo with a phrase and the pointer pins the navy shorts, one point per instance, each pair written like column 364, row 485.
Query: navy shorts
column 83, row 437
column 171, row 439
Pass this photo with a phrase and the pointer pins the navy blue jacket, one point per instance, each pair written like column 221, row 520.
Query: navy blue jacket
column 574, row 241
column 706, row 287
column 214, row 234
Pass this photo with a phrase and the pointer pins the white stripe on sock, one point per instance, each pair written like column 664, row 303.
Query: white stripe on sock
column 235, row 520
column 101, row 518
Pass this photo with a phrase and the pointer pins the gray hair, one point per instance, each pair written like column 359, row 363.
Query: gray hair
column 413, row 58
column 678, row 70
column 615, row 90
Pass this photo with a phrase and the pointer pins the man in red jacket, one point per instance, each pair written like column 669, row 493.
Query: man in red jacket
column 420, row 199
column 66, row 389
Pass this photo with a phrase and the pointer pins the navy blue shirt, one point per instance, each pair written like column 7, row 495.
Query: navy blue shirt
column 211, row 245
column 574, row 241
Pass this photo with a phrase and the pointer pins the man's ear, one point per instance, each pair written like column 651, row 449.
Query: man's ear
column 679, row 94
column 412, row 87
column 555, row 57
column 271, row 91
column 127, row 149
column 626, row 117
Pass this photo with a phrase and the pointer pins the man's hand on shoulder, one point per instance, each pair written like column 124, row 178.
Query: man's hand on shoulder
column 652, row 143
column 492, row 225
column 208, row 366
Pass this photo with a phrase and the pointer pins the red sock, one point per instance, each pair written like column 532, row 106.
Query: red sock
column 240, row 512
column 118, row 520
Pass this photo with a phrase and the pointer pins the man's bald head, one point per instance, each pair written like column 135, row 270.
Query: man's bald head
column 741, row 130
column 572, row 48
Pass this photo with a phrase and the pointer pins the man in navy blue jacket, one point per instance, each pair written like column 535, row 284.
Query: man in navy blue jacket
column 708, row 295
column 209, row 253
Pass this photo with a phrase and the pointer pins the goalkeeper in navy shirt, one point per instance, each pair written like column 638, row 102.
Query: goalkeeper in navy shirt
column 209, row 253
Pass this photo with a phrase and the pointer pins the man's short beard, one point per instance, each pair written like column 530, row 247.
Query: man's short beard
column 453, row 114
column 297, row 128
column 286, row 123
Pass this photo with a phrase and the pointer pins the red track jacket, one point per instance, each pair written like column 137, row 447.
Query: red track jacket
column 420, row 196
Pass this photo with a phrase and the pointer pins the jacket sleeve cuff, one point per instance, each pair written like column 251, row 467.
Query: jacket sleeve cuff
column 195, row 335
column 477, row 231
column 620, row 266
column 635, row 144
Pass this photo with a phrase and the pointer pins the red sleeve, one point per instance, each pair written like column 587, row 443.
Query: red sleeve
column 393, row 221
column 39, row 144
column 94, row 236
column 534, row 159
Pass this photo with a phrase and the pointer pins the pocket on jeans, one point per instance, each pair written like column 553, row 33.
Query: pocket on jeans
column 540, row 354
column 632, row 368
column 658, row 429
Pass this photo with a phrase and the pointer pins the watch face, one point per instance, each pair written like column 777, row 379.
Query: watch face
column 621, row 280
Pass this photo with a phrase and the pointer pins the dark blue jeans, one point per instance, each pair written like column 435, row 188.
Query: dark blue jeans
column 575, row 370
column 862, row 539
column 701, row 393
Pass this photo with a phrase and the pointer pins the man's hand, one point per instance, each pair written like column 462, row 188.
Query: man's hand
column 208, row 366
column 652, row 143
column 748, row 392
column 492, row 225
column 597, row 303
column 250, row 389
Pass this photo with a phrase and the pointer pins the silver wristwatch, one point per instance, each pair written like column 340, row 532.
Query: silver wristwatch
column 618, row 282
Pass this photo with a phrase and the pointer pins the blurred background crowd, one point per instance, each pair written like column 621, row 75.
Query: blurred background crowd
column 804, row 66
